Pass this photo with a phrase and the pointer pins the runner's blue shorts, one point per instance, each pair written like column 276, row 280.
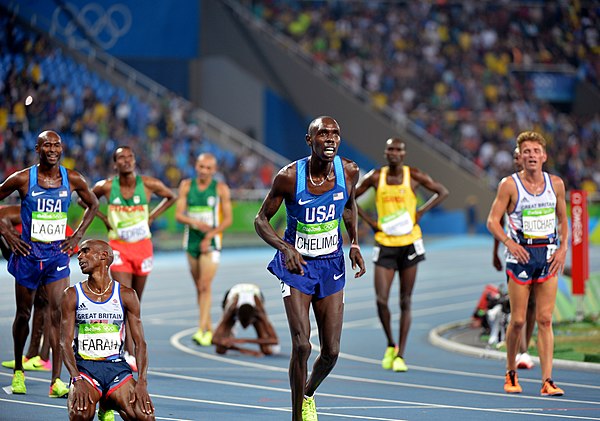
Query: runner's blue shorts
column 32, row 273
column 105, row 376
column 535, row 270
column 322, row 277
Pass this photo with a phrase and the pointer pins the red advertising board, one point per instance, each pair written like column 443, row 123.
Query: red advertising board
column 579, row 241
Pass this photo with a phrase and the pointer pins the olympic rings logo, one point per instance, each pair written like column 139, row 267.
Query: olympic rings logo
column 105, row 26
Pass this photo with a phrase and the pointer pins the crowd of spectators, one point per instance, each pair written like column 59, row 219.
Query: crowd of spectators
column 94, row 117
column 450, row 68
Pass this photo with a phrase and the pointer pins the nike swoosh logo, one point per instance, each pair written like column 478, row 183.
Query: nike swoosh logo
column 412, row 256
column 336, row 277
column 37, row 193
column 304, row 202
column 59, row 268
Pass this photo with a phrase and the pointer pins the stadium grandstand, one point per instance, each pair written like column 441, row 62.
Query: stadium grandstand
column 457, row 80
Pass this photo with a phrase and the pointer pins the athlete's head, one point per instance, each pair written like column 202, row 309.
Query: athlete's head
column 530, row 136
column 206, row 166
column 323, row 137
column 532, row 150
column 93, row 254
column 395, row 150
column 246, row 314
column 49, row 147
column 124, row 159
column 517, row 160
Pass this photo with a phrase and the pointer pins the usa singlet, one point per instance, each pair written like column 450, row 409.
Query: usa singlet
column 396, row 211
column 128, row 217
column 99, row 327
column 44, row 215
column 533, row 220
column 313, row 221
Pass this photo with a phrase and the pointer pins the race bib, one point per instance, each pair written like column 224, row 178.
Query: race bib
column 397, row 223
column 539, row 222
column 133, row 231
column 314, row 240
column 48, row 226
column 98, row 341
column 203, row 214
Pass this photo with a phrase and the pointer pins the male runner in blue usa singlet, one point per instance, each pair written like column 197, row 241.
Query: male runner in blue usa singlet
column 318, row 193
column 40, row 256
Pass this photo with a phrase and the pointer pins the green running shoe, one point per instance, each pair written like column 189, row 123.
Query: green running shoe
column 309, row 409
column 18, row 383
column 106, row 415
column 399, row 365
column 37, row 364
column 197, row 337
column 58, row 389
column 388, row 358
column 206, row 338
column 11, row 364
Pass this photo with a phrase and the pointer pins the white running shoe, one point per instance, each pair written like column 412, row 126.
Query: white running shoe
column 524, row 361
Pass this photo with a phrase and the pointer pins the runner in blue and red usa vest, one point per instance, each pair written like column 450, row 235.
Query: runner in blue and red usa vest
column 319, row 191
column 41, row 254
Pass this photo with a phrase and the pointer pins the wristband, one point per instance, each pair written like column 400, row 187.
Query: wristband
column 505, row 240
column 355, row 246
column 74, row 379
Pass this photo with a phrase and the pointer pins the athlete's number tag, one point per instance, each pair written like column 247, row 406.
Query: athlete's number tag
column 376, row 251
column 550, row 250
column 286, row 291
column 147, row 264
column 134, row 231
column 48, row 226
column 539, row 222
column 419, row 246
column 98, row 341
column 398, row 223
column 203, row 214
column 317, row 239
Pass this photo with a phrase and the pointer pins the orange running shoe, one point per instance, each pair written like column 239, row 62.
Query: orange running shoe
column 511, row 383
column 550, row 389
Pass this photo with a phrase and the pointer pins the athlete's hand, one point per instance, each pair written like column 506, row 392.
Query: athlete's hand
column 294, row 261
column 140, row 394
column 557, row 261
column 16, row 244
column 69, row 244
column 517, row 250
column 357, row 260
column 497, row 262
column 80, row 395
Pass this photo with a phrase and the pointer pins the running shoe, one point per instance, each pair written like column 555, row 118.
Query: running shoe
column 197, row 337
column 11, row 364
column 130, row 359
column 206, row 338
column 388, row 358
column 58, row 389
column 106, row 415
column 399, row 365
column 37, row 364
column 550, row 389
column 309, row 409
column 18, row 383
column 524, row 361
column 511, row 382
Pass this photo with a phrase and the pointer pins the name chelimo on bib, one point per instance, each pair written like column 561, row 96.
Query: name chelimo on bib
column 315, row 240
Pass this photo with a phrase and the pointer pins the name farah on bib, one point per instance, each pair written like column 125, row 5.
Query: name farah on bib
column 98, row 341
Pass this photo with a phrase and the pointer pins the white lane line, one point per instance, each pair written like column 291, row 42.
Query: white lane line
column 175, row 342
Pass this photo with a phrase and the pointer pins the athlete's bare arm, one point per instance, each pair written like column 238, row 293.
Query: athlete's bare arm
column 81, row 187
column 440, row 192
column 350, row 216
column 132, row 307
column 503, row 203
column 10, row 216
column 282, row 189
column 557, row 260
column 157, row 187
column 371, row 179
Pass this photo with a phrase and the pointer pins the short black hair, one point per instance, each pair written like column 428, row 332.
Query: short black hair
column 117, row 148
column 245, row 314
